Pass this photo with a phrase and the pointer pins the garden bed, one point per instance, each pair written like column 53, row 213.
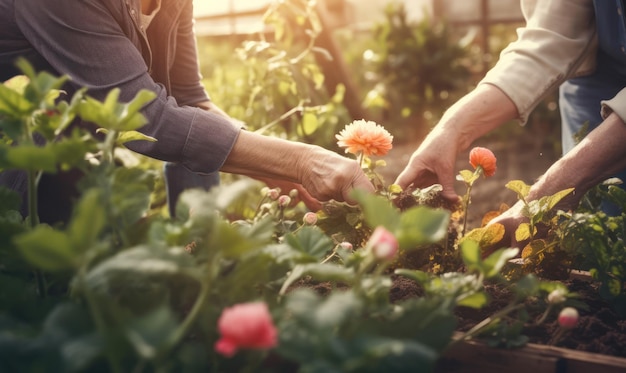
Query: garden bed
column 597, row 343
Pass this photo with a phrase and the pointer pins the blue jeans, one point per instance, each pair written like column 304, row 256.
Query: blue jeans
column 178, row 179
column 579, row 102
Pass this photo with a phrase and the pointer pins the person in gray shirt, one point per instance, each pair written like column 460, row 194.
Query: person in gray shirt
column 150, row 44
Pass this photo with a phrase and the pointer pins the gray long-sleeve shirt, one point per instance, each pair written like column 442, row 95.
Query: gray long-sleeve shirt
column 100, row 44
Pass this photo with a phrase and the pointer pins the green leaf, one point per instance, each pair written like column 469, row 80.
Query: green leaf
column 88, row 221
column 552, row 200
column 310, row 240
column 468, row 177
column 47, row 249
column 13, row 104
column 418, row 276
column 475, row 300
column 336, row 309
column 493, row 263
column 378, row 210
column 28, row 158
column 486, row 236
column 320, row 272
column 127, row 136
column 422, row 225
column 150, row 331
column 521, row 188
column 523, row 233
column 471, row 255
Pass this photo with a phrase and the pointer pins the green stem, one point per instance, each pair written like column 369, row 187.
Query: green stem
column 483, row 324
column 33, row 221
column 466, row 201
column 98, row 318
column 183, row 328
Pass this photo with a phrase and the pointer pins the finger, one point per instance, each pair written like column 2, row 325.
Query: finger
column 360, row 183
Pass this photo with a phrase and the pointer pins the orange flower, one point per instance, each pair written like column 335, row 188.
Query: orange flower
column 484, row 158
column 365, row 137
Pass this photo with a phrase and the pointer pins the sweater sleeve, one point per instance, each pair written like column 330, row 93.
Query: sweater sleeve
column 88, row 42
column 550, row 48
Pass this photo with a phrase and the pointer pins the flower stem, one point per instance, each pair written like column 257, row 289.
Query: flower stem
column 483, row 324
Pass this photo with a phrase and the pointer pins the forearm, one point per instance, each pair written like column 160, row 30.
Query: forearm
column 256, row 155
column 597, row 157
column 476, row 114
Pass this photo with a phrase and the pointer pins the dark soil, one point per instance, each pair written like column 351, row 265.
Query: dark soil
column 600, row 329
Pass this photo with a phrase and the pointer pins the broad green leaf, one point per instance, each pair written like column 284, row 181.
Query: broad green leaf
column 319, row 272
column 418, row 276
column 150, row 331
column 523, row 233
column 521, row 188
column 552, row 200
column 475, row 300
column 141, row 262
column 468, row 177
column 13, row 104
column 486, row 236
column 71, row 151
column 422, row 225
column 47, row 249
column 471, row 255
column 336, row 309
column 18, row 83
column 378, row 211
column 227, row 239
column 88, row 221
column 494, row 263
column 310, row 240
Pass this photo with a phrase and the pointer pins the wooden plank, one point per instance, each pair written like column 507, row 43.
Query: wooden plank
column 475, row 356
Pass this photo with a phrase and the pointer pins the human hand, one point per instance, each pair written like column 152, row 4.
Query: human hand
column 432, row 163
column 328, row 175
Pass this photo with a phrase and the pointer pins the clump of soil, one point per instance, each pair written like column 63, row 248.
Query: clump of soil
column 600, row 329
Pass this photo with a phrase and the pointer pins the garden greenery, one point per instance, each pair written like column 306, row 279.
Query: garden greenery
column 122, row 287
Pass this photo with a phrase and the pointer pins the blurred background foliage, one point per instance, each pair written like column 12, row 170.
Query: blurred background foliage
column 403, row 73
column 406, row 73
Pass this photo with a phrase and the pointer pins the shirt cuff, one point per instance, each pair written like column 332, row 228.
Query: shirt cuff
column 615, row 105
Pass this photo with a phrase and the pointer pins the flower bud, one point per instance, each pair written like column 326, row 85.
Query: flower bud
column 310, row 218
column 383, row 244
column 568, row 318
column 556, row 296
column 273, row 193
column 284, row 200
column 293, row 193
column 346, row 245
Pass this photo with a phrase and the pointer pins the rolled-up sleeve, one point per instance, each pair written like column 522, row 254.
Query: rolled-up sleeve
column 551, row 48
column 86, row 42
column 615, row 105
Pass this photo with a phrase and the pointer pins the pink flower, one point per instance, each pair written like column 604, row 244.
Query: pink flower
column 284, row 200
column 383, row 244
column 484, row 158
column 365, row 137
column 246, row 325
column 310, row 218
column 568, row 317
